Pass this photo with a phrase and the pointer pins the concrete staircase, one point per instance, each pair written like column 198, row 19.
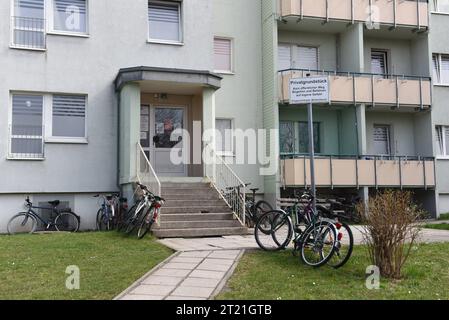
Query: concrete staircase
column 195, row 209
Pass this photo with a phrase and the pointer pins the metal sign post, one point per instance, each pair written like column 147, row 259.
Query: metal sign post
column 309, row 90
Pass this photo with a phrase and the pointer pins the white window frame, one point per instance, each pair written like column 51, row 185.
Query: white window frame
column 436, row 9
column 180, row 42
column 286, row 44
column 385, row 54
column 444, row 154
column 47, row 119
column 49, row 8
column 232, row 152
column 13, row 14
column 231, row 40
column 438, row 82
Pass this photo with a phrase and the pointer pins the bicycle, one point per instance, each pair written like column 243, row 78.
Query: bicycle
column 145, row 212
column 316, row 243
column 26, row 222
column 253, row 210
column 106, row 214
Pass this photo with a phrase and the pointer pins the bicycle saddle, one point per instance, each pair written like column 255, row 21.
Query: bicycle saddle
column 54, row 203
column 254, row 190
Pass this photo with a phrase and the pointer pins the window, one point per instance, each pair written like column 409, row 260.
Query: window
column 69, row 116
column 379, row 62
column 306, row 58
column 26, row 129
column 294, row 137
column 381, row 140
column 223, row 137
column 442, row 136
column 284, row 57
column 65, row 121
column 70, row 16
column 442, row 6
column 164, row 21
column 223, row 54
column 298, row 57
column 440, row 68
column 28, row 24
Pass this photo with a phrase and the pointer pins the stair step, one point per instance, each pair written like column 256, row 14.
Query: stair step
column 199, row 232
column 183, row 224
column 196, row 217
column 192, row 191
column 196, row 209
column 198, row 196
column 185, row 185
column 194, row 203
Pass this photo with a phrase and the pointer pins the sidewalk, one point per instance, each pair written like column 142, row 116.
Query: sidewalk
column 194, row 275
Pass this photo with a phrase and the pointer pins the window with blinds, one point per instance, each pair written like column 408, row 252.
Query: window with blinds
column 223, row 54
column 284, row 57
column 440, row 64
column 381, row 140
column 28, row 24
column 379, row 63
column 70, row 15
column 26, row 131
column 442, row 140
column 306, row 58
column 164, row 21
column 69, row 116
column 223, row 137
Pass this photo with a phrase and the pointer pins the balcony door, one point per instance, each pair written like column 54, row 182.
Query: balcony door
column 161, row 134
column 382, row 140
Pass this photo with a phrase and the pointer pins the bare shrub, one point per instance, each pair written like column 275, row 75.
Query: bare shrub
column 390, row 230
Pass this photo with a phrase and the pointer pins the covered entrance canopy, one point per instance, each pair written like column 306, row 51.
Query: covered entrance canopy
column 153, row 102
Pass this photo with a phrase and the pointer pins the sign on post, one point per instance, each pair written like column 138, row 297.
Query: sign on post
column 309, row 90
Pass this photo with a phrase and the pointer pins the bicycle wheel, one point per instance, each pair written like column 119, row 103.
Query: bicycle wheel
column 318, row 244
column 261, row 208
column 343, row 247
column 67, row 222
column 21, row 223
column 273, row 231
column 102, row 221
column 128, row 214
column 146, row 224
column 133, row 221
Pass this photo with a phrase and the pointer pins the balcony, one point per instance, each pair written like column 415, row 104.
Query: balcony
column 28, row 33
column 365, row 88
column 411, row 13
column 363, row 171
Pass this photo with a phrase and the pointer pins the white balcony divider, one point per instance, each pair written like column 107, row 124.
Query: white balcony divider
column 224, row 179
column 147, row 176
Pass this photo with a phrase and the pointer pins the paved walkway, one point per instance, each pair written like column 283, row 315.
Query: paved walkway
column 194, row 275
column 202, row 266
column 248, row 242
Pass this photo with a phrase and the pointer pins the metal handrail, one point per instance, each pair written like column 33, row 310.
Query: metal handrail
column 357, row 74
column 359, row 157
column 223, row 179
column 146, row 175
column 28, row 32
column 28, row 135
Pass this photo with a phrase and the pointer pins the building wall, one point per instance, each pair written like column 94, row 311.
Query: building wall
column 240, row 96
column 399, row 54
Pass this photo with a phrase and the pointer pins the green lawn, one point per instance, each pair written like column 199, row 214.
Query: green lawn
column 440, row 226
column 268, row 276
column 33, row 266
column 444, row 216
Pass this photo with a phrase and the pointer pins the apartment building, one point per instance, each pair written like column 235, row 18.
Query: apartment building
column 91, row 88
column 377, row 130
column 93, row 91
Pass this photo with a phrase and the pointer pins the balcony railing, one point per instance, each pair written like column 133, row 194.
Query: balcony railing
column 413, row 13
column 360, row 171
column 366, row 88
column 28, row 33
column 26, row 142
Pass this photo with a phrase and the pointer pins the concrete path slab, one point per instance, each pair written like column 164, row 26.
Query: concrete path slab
column 193, row 275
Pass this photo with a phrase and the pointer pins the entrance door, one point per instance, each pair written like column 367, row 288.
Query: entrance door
column 381, row 139
column 164, row 138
